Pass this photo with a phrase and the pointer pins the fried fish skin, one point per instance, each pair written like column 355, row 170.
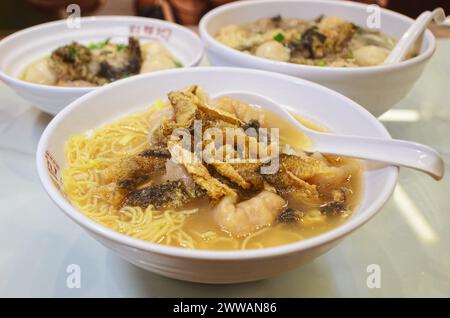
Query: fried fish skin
column 219, row 114
column 184, row 104
column 125, row 63
column 289, row 185
column 199, row 173
column 244, row 176
column 302, row 167
column 170, row 194
column 132, row 171
column 213, row 187
column 286, row 183
column 250, row 173
column 289, row 215
column 228, row 171
column 76, row 62
column 188, row 106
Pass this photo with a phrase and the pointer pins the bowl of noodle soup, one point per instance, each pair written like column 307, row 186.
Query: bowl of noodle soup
column 79, row 146
column 52, row 64
column 377, row 87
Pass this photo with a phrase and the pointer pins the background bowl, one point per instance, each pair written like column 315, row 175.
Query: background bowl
column 20, row 49
column 377, row 88
column 322, row 105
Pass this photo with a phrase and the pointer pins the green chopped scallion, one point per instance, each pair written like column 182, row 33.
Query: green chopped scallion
column 99, row 45
column 320, row 63
column 120, row 47
column 158, row 104
column 73, row 52
column 279, row 37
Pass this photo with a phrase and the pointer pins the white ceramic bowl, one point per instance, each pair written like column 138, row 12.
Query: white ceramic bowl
column 322, row 105
column 377, row 88
column 20, row 49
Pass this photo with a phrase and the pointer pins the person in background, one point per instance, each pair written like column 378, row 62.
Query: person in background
column 19, row 14
column 187, row 12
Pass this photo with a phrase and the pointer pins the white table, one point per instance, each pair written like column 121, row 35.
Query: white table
column 409, row 239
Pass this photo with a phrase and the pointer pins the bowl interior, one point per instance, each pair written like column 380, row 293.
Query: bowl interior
column 114, row 101
column 22, row 48
column 391, row 23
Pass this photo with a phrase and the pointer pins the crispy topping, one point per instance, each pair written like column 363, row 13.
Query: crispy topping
column 301, row 167
column 289, row 215
column 130, row 172
column 171, row 194
column 199, row 173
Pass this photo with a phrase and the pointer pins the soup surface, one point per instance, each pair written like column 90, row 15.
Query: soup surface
column 326, row 41
column 208, row 174
column 99, row 63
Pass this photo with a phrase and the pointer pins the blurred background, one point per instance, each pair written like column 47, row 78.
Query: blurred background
column 19, row 14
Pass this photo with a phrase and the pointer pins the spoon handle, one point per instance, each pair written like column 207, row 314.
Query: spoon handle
column 391, row 151
column 395, row 152
column 413, row 33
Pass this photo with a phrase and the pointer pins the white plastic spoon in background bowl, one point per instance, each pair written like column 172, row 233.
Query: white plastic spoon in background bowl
column 395, row 152
column 414, row 32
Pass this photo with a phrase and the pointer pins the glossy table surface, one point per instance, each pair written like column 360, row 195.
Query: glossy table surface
column 406, row 246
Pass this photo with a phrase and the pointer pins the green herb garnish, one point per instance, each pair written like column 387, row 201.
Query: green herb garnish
column 320, row 63
column 178, row 64
column 73, row 52
column 279, row 37
column 99, row 45
column 120, row 47
column 104, row 43
column 158, row 104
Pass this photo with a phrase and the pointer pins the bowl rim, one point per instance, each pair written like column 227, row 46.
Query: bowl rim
column 114, row 18
column 211, row 42
column 228, row 255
